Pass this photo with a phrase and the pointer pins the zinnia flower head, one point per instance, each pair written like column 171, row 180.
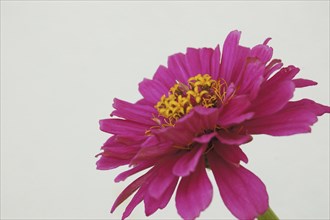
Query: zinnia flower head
column 195, row 113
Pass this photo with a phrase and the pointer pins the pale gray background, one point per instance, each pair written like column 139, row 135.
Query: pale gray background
column 62, row 63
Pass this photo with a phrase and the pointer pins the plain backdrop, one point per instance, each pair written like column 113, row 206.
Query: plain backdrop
column 62, row 63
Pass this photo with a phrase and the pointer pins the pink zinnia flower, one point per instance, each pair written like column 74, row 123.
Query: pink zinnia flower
column 195, row 113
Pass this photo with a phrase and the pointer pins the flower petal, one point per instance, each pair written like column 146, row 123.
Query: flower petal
column 152, row 90
column 194, row 193
column 296, row 117
column 230, row 153
column 229, row 55
column 130, row 189
column 242, row 192
column 231, row 138
column 186, row 128
column 273, row 98
column 122, row 127
column 122, row 176
column 164, row 76
column 300, row 83
column 262, row 52
column 163, row 179
column 151, row 204
column 235, row 111
column 188, row 162
column 134, row 112
column 177, row 64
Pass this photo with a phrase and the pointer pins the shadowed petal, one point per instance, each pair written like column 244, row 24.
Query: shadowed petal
column 151, row 204
column 231, row 153
column 188, row 162
column 163, row 179
column 242, row 192
column 194, row 193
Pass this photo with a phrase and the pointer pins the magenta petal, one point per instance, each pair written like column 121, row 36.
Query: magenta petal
column 215, row 63
column 235, row 111
column 151, row 204
column 177, row 65
column 233, row 139
column 300, row 83
column 252, row 78
column 107, row 163
column 166, row 77
column 194, row 193
column 162, row 180
column 231, row 153
column 152, row 90
column 243, row 193
column 206, row 138
column 122, row 176
column 262, row 52
column 137, row 198
column 188, row 162
column 133, row 112
column 122, row 127
column 229, row 55
column 129, row 190
column 273, row 66
column 273, row 98
column 186, row 128
column 296, row 117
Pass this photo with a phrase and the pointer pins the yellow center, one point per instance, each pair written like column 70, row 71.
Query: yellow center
column 201, row 90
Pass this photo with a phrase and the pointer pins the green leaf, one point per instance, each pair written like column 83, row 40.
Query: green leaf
column 268, row 215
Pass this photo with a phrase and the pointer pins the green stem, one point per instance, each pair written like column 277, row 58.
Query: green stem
column 268, row 215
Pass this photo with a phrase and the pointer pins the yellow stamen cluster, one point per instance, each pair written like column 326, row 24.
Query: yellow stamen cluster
column 201, row 90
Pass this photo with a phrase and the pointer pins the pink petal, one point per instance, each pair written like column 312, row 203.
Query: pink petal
column 229, row 55
column 262, row 52
column 151, row 204
column 138, row 113
column 164, row 76
column 152, row 90
column 252, row 78
column 300, row 83
column 204, row 139
column 163, row 179
column 194, row 193
column 122, row 176
column 122, row 127
column 273, row 66
column 296, row 117
column 231, row 138
column 241, row 58
column 273, row 98
column 215, row 63
column 107, row 163
column 130, row 189
column 230, row 153
column 177, row 65
column 137, row 198
column 186, row 128
column 188, row 162
column 235, row 111
column 193, row 61
column 153, row 152
column 242, row 192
